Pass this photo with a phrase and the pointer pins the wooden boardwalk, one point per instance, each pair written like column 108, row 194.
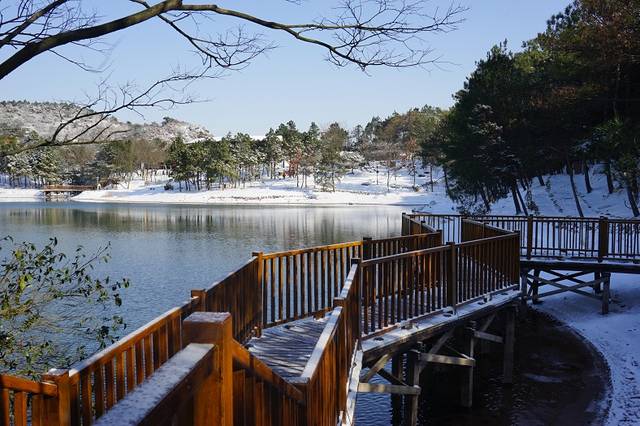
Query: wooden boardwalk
column 283, row 339
column 287, row 348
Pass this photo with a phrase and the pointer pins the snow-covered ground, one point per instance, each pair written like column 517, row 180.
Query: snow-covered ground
column 616, row 336
column 20, row 194
column 358, row 188
column 362, row 187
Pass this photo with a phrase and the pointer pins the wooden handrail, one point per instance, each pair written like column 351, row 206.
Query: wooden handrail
column 238, row 293
column 19, row 384
column 248, row 361
column 408, row 254
column 311, row 249
column 98, row 382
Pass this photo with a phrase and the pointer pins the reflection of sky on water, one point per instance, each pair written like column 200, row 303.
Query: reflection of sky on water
column 168, row 250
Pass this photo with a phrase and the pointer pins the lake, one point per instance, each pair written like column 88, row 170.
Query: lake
column 168, row 250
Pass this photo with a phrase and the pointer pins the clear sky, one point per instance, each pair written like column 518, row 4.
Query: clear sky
column 292, row 82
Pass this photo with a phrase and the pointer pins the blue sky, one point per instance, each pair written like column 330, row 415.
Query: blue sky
column 292, row 82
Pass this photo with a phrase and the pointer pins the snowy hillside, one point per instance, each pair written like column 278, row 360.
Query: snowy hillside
column 45, row 117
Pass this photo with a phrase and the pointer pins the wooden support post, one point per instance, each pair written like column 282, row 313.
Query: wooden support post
column 366, row 248
column 606, row 292
column 529, row 236
column 215, row 400
column 597, row 288
column 405, row 226
column 523, row 284
column 57, row 410
column 466, row 394
column 202, row 299
column 452, row 279
column 535, row 284
column 414, row 368
column 603, row 238
column 262, row 290
column 509, row 342
column 397, row 371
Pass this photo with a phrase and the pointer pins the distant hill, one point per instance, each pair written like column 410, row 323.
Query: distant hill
column 21, row 117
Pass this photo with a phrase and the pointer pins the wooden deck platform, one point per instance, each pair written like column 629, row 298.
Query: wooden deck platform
column 400, row 337
column 286, row 348
column 582, row 264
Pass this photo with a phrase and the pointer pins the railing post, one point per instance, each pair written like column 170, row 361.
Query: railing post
column 603, row 238
column 529, row 236
column 57, row 411
column 215, row 399
column 405, row 223
column 452, row 279
column 358, row 284
column 366, row 247
column 202, row 299
column 260, row 281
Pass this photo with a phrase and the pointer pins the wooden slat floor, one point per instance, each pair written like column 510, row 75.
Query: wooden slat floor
column 286, row 348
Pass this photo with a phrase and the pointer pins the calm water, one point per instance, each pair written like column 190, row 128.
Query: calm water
column 168, row 250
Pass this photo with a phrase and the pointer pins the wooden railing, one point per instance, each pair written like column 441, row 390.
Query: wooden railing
column 403, row 286
column 71, row 188
column 99, row 382
column 24, row 401
column 448, row 224
column 405, row 278
column 390, row 246
column 239, row 293
column 256, row 387
column 299, row 283
column 186, row 385
column 546, row 236
column 410, row 285
column 411, row 226
column 485, row 266
column 475, row 230
column 327, row 372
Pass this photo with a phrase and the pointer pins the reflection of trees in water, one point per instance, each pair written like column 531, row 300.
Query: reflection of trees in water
column 284, row 227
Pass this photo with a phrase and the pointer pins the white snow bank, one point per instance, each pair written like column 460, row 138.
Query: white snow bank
column 358, row 188
column 616, row 336
column 19, row 194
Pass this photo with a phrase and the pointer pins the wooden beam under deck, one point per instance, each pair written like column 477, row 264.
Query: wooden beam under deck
column 400, row 340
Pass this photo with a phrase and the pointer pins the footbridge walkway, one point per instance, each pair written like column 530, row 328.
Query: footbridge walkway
column 291, row 338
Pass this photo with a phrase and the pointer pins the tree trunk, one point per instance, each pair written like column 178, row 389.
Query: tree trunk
column 632, row 201
column 573, row 188
column 607, row 172
column 514, row 195
column 587, row 181
column 485, row 200
column 540, row 180
column 415, row 170
column 524, row 205
column 431, row 176
column 446, row 182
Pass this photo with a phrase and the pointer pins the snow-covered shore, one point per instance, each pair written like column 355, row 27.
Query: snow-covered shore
column 359, row 188
column 363, row 188
column 616, row 336
column 20, row 194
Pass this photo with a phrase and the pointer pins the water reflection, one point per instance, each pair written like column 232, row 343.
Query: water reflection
column 168, row 250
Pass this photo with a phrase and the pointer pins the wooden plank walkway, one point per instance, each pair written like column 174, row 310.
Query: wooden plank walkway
column 286, row 348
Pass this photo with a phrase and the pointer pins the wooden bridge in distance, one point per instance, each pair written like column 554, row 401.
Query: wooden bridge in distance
column 53, row 191
column 292, row 337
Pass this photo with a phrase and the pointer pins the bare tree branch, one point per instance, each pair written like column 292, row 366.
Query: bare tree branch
column 366, row 33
